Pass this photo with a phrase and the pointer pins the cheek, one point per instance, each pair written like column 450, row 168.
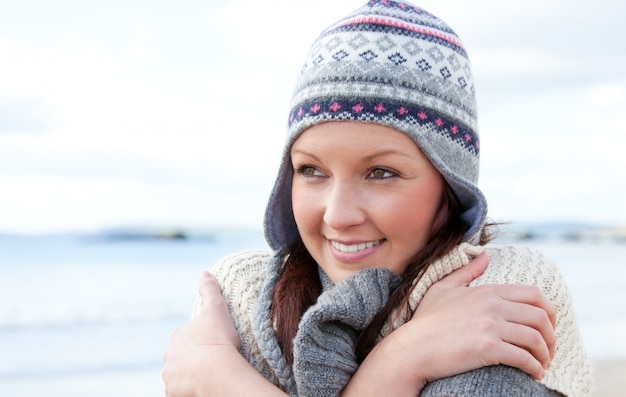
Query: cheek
column 412, row 214
column 304, row 207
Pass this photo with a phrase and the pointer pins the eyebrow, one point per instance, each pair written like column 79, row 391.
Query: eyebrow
column 387, row 152
column 304, row 152
column 370, row 157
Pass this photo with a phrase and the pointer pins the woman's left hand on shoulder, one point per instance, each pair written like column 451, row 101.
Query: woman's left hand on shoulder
column 473, row 327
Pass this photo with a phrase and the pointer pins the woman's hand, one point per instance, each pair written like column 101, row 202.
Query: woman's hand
column 213, row 325
column 471, row 327
column 456, row 329
column 196, row 348
column 203, row 359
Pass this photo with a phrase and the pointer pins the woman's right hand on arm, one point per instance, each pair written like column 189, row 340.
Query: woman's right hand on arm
column 457, row 328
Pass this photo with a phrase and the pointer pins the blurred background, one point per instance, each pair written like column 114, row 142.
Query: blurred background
column 139, row 141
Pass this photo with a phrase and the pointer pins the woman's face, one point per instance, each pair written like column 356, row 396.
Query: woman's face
column 364, row 196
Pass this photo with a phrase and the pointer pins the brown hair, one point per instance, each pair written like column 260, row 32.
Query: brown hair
column 299, row 285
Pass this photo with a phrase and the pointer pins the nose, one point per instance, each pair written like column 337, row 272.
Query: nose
column 343, row 206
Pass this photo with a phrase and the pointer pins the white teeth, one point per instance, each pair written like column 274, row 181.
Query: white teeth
column 354, row 247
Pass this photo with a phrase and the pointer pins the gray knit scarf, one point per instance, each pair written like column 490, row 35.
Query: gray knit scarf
column 324, row 358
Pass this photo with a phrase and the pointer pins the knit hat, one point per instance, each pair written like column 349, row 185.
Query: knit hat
column 397, row 65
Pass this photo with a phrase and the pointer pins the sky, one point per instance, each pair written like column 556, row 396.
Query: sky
column 162, row 113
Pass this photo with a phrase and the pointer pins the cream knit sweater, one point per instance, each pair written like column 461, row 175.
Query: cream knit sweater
column 242, row 277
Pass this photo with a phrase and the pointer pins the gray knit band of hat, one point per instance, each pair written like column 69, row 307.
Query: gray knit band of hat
column 396, row 65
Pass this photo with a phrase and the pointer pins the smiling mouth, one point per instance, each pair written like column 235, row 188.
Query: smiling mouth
column 351, row 248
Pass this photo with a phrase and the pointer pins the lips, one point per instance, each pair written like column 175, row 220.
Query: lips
column 353, row 248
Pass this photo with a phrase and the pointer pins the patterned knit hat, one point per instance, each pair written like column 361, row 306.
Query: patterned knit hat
column 397, row 65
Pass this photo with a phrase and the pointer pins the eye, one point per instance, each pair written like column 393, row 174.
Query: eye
column 381, row 173
column 308, row 171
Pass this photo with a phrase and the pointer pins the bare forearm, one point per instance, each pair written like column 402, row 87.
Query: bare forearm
column 388, row 371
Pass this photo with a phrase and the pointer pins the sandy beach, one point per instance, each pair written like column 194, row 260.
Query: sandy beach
column 610, row 378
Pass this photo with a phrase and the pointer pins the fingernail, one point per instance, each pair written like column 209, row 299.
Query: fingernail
column 542, row 374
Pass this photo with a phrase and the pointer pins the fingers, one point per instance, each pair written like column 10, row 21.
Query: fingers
column 503, row 341
column 511, row 324
column 174, row 334
column 204, row 283
column 528, row 306
column 208, row 287
column 514, row 356
column 529, row 340
column 529, row 295
column 466, row 274
column 519, row 323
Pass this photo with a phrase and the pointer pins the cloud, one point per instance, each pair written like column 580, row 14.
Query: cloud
column 98, row 106
column 23, row 115
column 558, row 155
column 279, row 32
column 115, row 147
column 178, row 114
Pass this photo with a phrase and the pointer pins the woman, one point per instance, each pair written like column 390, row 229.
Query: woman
column 378, row 228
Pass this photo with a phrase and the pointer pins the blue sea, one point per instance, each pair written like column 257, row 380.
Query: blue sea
column 90, row 316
